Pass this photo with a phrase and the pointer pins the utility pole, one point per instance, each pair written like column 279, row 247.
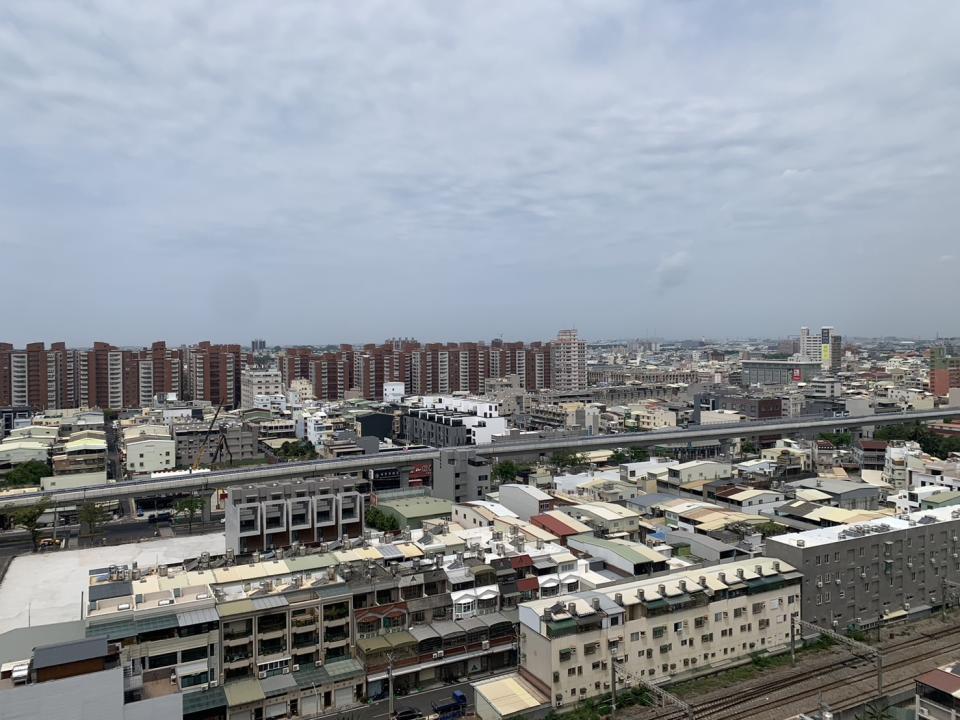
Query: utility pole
column 944, row 583
column 390, row 685
column 613, row 687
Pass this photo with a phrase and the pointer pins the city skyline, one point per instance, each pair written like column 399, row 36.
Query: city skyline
column 689, row 169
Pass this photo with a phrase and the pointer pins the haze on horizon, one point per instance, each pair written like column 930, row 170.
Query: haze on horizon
column 323, row 172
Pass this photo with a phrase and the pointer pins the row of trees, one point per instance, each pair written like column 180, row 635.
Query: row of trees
column 930, row 442
column 508, row 471
column 90, row 515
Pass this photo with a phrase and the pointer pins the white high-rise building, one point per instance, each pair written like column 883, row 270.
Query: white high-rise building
column 568, row 357
column 809, row 345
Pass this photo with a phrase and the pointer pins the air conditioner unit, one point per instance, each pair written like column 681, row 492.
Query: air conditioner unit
column 262, row 674
column 485, row 645
column 819, row 584
column 296, row 667
column 286, row 671
column 923, row 712
column 863, row 576
column 838, row 581
column 213, row 683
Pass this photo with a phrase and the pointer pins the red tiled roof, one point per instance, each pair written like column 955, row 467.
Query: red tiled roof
column 528, row 583
column 941, row 680
column 553, row 525
column 873, row 445
column 520, row 561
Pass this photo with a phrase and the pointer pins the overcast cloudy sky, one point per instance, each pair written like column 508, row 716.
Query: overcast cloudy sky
column 347, row 171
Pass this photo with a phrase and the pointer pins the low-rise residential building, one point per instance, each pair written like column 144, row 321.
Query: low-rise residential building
column 629, row 558
column 525, row 501
column 560, row 524
column 748, row 500
column 656, row 628
column 607, row 520
column 146, row 449
column 479, row 513
column 839, row 493
column 696, row 470
column 410, row 512
column 938, row 693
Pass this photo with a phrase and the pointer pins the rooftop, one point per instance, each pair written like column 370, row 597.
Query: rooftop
column 879, row 526
column 419, row 506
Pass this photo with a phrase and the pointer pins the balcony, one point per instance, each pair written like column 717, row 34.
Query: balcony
column 307, row 621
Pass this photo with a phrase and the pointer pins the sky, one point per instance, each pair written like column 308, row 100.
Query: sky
column 323, row 172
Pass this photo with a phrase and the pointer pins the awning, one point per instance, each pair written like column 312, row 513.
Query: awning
column 400, row 639
column 423, row 632
column 544, row 563
column 494, row 619
column 198, row 617
column 268, row 603
column 372, row 644
column 447, row 628
column 277, row 685
column 130, row 628
column 243, row 692
column 203, row 700
column 527, row 584
column 472, row 623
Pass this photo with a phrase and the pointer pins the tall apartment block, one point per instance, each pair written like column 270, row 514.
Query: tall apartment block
column 569, row 357
column 213, row 373
column 106, row 376
column 102, row 376
column 944, row 371
column 825, row 348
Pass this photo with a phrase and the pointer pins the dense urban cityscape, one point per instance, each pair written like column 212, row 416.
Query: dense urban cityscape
column 419, row 360
column 500, row 528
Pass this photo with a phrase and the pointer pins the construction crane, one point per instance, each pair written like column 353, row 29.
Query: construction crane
column 206, row 438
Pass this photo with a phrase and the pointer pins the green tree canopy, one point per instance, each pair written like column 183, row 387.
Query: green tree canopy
column 297, row 450
column 189, row 506
column 28, row 518
column 26, row 474
column 379, row 520
column 91, row 515
column 918, row 432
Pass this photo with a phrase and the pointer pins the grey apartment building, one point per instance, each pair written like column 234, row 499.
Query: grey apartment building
column 777, row 372
column 281, row 514
column 855, row 576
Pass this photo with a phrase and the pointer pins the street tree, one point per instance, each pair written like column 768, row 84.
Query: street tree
column 190, row 506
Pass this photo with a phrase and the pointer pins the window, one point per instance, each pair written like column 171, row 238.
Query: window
column 659, row 631
column 634, row 637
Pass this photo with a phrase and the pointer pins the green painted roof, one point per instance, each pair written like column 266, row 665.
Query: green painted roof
column 418, row 506
column 237, row 607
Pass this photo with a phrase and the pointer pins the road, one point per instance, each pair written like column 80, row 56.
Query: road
column 208, row 481
column 421, row 701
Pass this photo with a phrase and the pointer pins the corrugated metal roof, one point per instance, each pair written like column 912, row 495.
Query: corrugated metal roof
column 423, row 632
column 196, row 617
column 447, row 628
column 272, row 601
column 70, row 652
column 243, row 692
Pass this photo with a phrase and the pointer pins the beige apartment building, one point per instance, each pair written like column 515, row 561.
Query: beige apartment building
column 657, row 628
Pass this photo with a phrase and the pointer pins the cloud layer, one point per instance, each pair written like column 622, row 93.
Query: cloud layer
column 318, row 172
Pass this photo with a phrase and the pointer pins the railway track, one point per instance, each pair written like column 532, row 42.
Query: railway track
column 759, row 697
